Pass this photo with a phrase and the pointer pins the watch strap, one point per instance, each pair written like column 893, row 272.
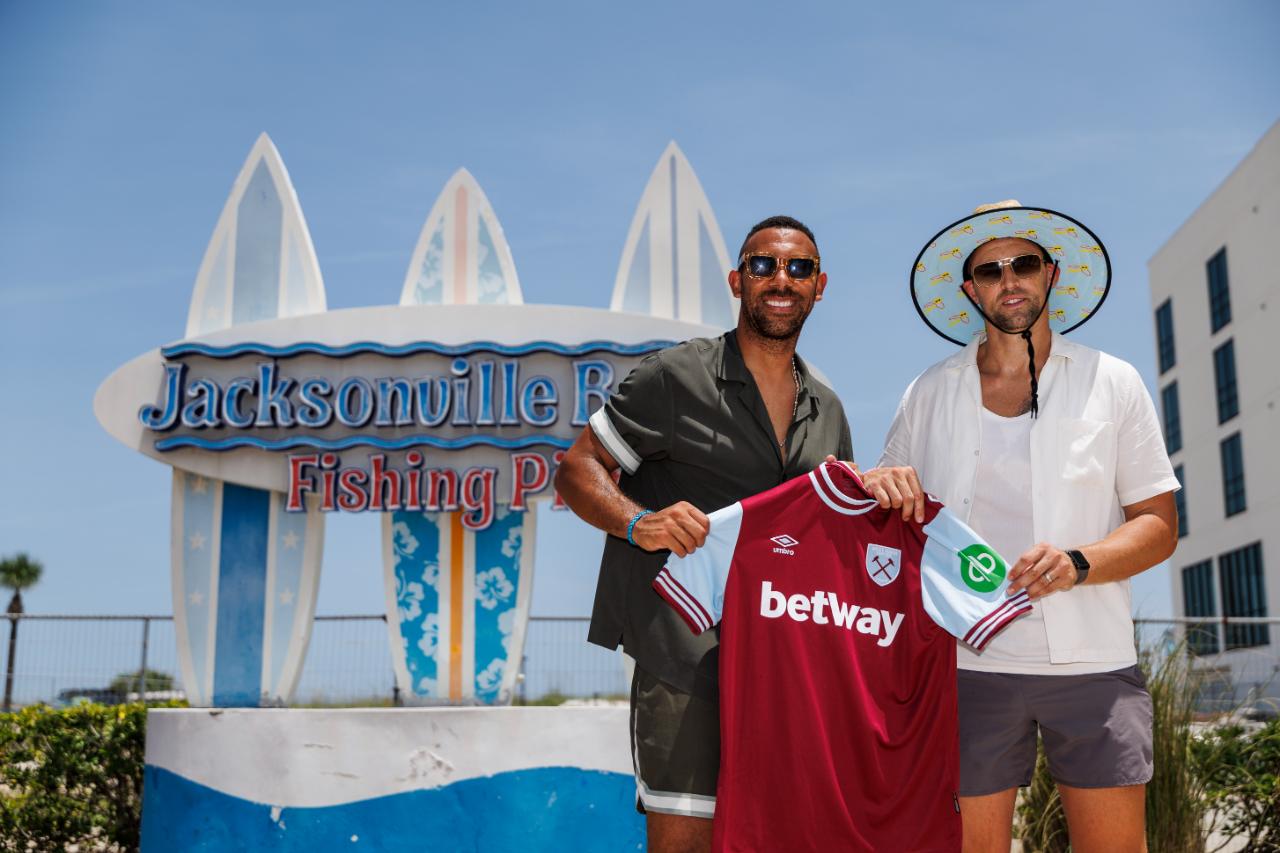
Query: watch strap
column 1081, row 563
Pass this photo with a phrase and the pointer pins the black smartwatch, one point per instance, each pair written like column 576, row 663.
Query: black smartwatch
column 1081, row 564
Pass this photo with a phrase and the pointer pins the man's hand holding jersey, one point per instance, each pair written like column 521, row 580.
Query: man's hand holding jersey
column 1042, row 570
column 680, row 528
column 586, row 476
column 894, row 488
column 897, row 488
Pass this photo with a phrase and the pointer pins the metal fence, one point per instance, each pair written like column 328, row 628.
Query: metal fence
column 1236, row 661
column 60, row 658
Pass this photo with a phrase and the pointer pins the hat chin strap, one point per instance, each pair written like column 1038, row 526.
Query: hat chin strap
column 1031, row 366
column 1026, row 336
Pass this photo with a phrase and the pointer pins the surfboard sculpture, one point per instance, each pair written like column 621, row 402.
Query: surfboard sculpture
column 446, row 413
column 458, row 599
column 674, row 263
column 462, row 257
column 245, row 572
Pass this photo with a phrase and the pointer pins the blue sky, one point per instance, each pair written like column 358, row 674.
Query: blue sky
column 122, row 127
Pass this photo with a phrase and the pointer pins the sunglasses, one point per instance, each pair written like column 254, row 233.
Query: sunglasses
column 991, row 272
column 766, row 266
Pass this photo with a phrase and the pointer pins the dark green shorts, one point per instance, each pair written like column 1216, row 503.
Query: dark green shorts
column 675, row 746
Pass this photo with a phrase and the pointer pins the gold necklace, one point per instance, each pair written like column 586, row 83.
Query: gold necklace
column 795, row 377
column 795, row 403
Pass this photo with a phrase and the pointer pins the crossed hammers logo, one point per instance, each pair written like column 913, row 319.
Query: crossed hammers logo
column 882, row 568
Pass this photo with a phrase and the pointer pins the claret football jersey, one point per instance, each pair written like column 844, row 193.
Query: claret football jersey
column 838, row 663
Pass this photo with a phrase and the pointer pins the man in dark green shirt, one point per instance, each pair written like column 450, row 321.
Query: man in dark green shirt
column 694, row 428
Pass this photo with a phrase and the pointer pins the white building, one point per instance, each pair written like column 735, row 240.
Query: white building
column 1215, row 291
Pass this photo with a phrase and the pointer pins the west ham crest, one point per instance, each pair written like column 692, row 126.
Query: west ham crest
column 883, row 563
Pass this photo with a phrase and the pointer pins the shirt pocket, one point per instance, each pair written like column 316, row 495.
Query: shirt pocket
column 1086, row 452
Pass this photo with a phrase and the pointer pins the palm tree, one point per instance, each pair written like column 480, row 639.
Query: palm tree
column 17, row 573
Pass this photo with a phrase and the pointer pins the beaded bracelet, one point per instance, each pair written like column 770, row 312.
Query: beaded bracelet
column 632, row 526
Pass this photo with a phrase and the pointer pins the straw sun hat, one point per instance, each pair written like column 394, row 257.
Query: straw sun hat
column 938, row 272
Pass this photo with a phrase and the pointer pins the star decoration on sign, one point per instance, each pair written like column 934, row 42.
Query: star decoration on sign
column 196, row 598
column 196, row 541
column 290, row 539
column 286, row 597
column 200, row 485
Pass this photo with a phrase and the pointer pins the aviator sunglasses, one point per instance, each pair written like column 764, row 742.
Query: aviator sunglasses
column 1023, row 266
column 766, row 266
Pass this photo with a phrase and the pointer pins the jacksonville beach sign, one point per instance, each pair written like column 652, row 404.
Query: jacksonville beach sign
column 445, row 414
column 377, row 427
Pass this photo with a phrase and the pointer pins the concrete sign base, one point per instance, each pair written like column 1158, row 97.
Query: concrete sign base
column 438, row 779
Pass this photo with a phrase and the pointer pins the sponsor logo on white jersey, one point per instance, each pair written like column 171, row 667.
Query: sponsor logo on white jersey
column 883, row 564
column 785, row 544
column 826, row 608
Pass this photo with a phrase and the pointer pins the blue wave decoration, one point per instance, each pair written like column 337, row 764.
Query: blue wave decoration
column 187, row 348
column 233, row 442
column 542, row 809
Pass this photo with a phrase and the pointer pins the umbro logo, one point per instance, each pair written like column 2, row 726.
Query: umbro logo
column 785, row 545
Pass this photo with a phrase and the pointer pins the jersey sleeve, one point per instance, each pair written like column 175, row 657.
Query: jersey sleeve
column 694, row 585
column 636, row 422
column 963, row 582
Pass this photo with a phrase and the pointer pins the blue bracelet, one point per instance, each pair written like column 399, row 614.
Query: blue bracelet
column 632, row 526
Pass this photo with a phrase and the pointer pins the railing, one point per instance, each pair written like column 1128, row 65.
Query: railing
column 1234, row 660
column 60, row 658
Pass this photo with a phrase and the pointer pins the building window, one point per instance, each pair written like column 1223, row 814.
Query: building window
column 1244, row 594
column 1164, row 335
column 1172, row 421
column 1232, row 474
column 1197, row 599
column 1224, row 373
column 1180, row 500
column 1219, row 291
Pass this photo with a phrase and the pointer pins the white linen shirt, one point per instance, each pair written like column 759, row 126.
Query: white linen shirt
column 1096, row 446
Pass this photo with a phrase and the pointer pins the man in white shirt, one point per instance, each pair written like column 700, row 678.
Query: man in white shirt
column 1052, row 452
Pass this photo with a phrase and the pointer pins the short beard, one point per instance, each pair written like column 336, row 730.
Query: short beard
column 1020, row 320
column 768, row 329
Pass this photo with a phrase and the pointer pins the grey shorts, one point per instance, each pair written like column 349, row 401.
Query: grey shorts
column 1096, row 729
column 675, row 746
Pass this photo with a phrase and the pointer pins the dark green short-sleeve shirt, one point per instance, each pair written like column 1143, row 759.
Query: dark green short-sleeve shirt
column 689, row 424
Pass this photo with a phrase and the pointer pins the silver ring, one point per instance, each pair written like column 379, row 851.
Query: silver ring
column 1048, row 576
